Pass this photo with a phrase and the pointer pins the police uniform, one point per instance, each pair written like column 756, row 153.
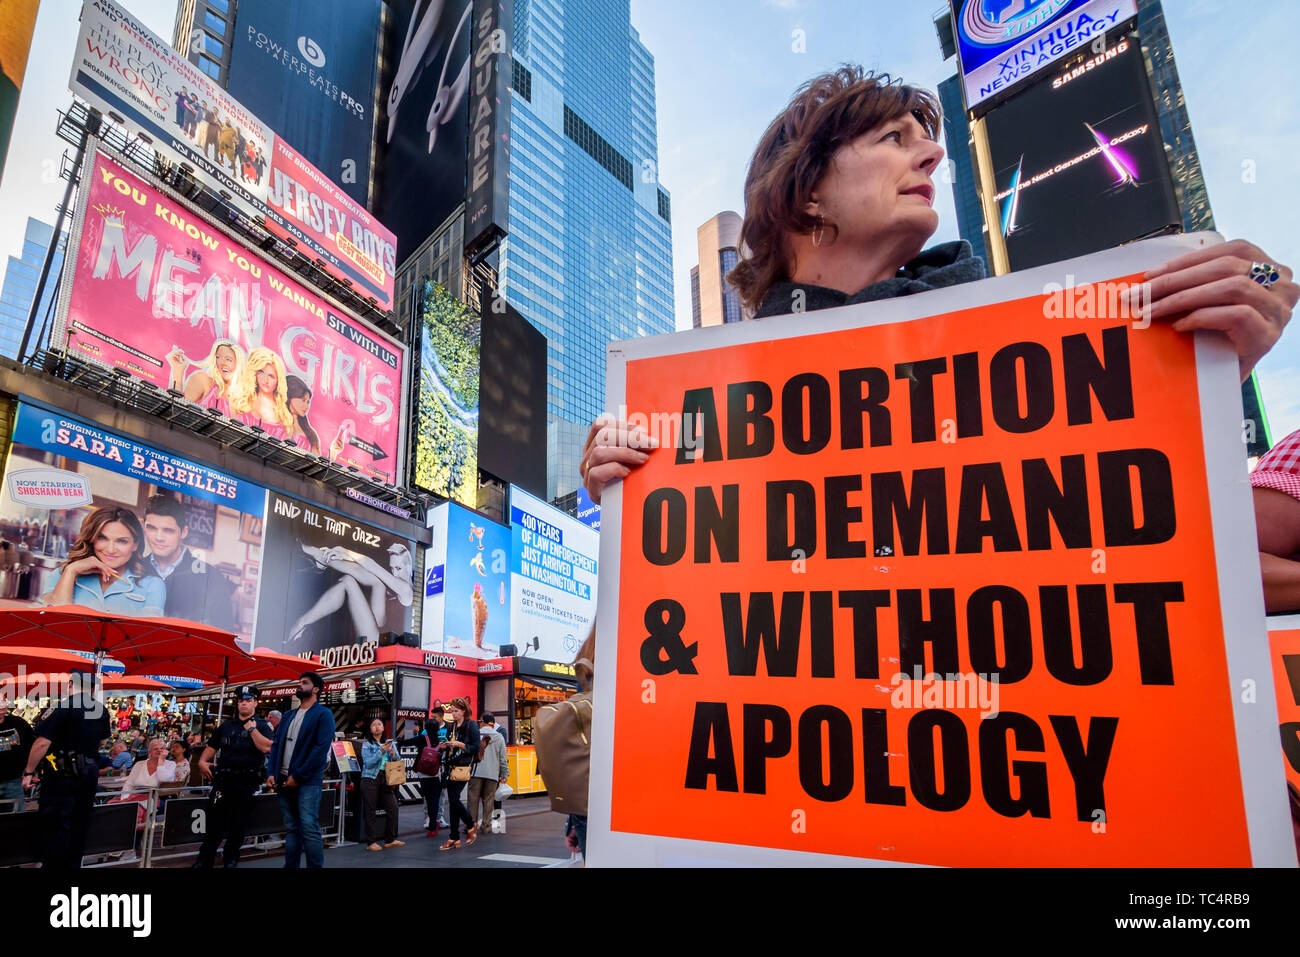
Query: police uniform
column 69, row 775
column 239, row 773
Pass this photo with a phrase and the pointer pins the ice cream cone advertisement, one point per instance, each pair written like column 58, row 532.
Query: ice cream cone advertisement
column 467, row 596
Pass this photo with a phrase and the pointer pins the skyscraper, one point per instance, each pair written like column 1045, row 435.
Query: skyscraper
column 589, row 255
column 956, row 134
column 21, row 276
column 713, row 300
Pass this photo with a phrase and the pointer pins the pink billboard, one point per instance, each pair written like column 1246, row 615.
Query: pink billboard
column 158, row 291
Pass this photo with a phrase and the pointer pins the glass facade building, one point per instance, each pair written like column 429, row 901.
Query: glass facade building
column 19, row 287
column 589, row 255
column 956, row 135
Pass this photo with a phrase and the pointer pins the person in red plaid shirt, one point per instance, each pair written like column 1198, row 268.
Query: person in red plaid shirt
column 1276, row 487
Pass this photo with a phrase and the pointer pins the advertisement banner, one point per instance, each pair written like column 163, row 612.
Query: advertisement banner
column 1284, row 645
column 1001, row 44
column 1078, row 162
column 476, row 615
column 157, row 291
column 120, row 67
column 487, row 203
column 588, row 511
column 425, row 124
column 336, row 581
column 979, row 601
column 308, row 70
column 17, row 22
column 553, row 574
column 180, row 538
column 447, row 416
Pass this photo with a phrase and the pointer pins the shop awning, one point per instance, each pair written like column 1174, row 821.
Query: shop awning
column 550, row 684
column 357, row 673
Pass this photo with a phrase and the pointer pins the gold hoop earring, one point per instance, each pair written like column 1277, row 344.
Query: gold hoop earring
column 817, row 231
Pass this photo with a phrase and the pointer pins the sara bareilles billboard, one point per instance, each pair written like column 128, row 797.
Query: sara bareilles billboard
column 159, row 292
column 1003, row 42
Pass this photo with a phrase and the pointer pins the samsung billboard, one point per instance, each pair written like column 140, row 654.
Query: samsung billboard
column 1078, row 160
column 1001, row 43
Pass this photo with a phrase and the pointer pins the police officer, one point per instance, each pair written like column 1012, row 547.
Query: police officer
column 240, row 745
column 66, row 752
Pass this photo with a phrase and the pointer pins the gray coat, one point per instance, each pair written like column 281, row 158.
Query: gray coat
column 494, row 765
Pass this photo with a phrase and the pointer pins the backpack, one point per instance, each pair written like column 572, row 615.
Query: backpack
column 562, row 737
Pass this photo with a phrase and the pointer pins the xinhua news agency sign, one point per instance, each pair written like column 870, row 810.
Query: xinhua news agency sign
column 1001, row 43
column 938, row 582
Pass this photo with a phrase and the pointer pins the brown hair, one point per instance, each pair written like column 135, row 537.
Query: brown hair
column 794, row 153
column 93, row 524
column 460, row 703
column 584, row 665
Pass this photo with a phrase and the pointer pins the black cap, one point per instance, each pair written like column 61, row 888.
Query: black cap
column 247, row 691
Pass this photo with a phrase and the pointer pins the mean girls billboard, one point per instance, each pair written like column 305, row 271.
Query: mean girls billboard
column 159, row 292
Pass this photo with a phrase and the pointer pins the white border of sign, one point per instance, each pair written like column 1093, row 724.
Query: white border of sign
column 1268, row 815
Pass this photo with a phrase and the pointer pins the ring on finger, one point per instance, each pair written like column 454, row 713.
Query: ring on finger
column 1266, row 274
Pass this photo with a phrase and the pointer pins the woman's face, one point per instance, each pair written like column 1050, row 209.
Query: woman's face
column 114, row 545
column 399, row 563
column 156, row 750
column 226, row 362
column 267, row 380
column 878, row 187
column 300, row 404
column 457, row 715
column 377, row 728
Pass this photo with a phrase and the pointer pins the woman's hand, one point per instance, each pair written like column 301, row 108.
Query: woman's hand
column 91, row 566
column 1212, row 288
column 610, row 454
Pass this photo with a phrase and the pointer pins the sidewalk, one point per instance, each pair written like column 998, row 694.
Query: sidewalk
column 534, row 838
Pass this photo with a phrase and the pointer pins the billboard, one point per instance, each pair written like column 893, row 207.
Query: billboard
column 17, row 22
column 122, row 68
column 1001, row 43
column 194, row 533
column 425, row 122
column 447, row 411
column 1078, row 160
column 512, row 397
column 487, row 202
column 309, row 71
column 334, row 581
column 552, row 579
column 157, row 291
column 467, row 584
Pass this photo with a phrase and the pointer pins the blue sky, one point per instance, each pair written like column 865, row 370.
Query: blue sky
column 724, row 68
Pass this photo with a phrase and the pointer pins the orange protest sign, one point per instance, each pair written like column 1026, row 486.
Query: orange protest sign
column 945, row 591
column 1284, row 644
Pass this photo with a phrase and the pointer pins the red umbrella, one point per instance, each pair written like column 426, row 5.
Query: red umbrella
column 110, row 682
column 136, row 642
column 13, row 657
column 231, row 669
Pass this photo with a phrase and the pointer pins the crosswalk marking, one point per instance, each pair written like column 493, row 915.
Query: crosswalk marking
column 523, row 859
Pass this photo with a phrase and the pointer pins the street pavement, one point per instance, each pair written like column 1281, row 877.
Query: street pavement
column 534, row 838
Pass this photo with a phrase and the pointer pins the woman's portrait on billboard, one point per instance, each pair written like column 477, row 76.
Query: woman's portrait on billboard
column 260, row 395
column 373, row 597
column 106, row 568
column 210, row 384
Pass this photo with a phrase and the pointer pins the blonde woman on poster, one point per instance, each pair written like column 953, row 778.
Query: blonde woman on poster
column 260, row 395
column 373, row 596
column 209, row 386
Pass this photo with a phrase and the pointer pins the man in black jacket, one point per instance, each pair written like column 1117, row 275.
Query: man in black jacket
column 195, row 590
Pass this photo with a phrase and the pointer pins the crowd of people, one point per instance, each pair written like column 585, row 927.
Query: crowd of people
column 218, row 139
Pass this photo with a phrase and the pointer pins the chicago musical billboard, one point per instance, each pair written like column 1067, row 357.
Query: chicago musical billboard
column 157, row 291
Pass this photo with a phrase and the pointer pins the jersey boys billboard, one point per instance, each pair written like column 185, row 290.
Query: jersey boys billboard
column 162, row 294
column 122, row 68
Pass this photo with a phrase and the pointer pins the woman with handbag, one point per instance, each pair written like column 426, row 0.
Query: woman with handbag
column 460, row 754
column 376, row 757
column 429, row 764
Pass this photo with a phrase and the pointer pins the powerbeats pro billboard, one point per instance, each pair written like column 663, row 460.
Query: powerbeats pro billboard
column 553, row 571
column 1003, row 42
column 467, row 584
column 1078, row 160
column 160, row 293
column 181, row 538
column 308, row 70
column 121, row 68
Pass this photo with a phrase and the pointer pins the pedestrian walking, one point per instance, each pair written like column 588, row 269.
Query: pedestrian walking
column 435, row 796
column 375, row 790
column 299, row 756
column 490, row 770
column 240, row 746
column 16, row 739
column 460, row 754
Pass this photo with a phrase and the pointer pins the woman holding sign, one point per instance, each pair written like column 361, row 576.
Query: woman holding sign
column 838, row 208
